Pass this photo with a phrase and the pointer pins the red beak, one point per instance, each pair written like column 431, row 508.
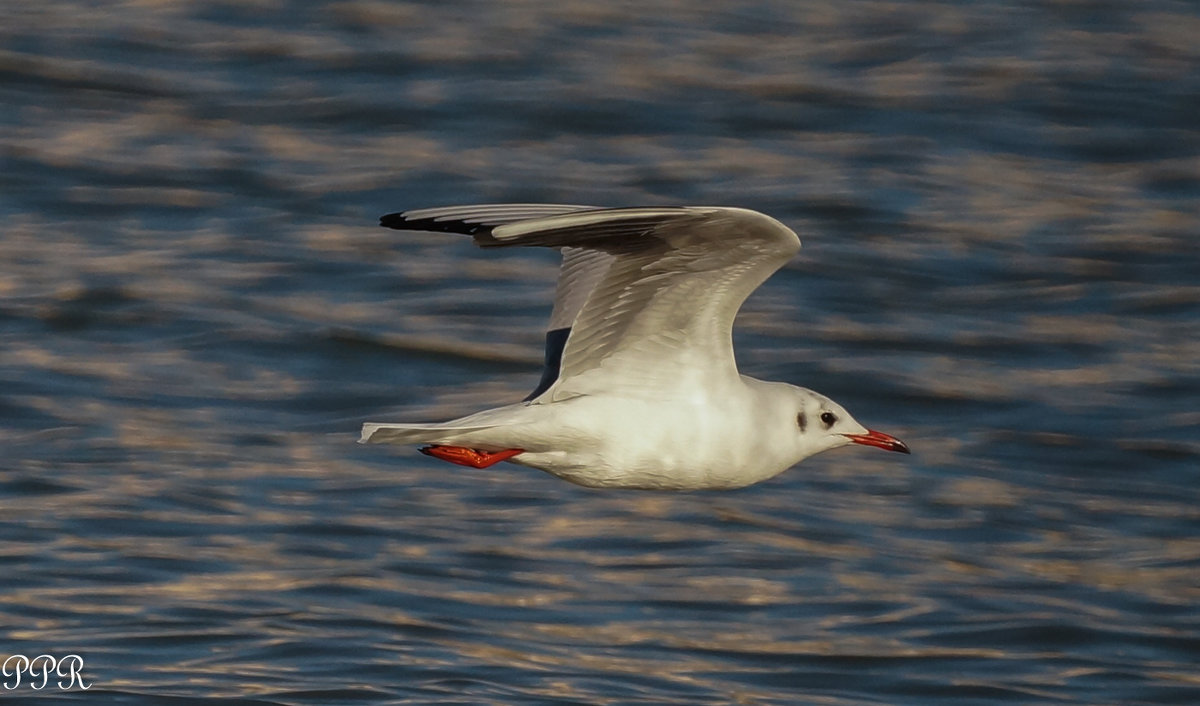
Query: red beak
column 878, row 438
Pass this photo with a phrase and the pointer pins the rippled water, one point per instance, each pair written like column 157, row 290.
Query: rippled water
column 1000, row 204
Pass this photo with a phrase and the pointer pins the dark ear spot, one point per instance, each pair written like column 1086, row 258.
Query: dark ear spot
column 828, row 419
column 802, row 421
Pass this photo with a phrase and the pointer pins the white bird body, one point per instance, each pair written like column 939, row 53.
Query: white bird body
column 647, row 394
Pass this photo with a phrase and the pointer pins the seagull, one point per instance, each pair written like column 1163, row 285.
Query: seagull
column 640, row 388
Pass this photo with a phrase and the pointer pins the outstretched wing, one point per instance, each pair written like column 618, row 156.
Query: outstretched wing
column 580, row 271
column 658, row 319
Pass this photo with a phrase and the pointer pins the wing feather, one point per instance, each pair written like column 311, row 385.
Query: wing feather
column 649, row 294
column 475, row 219
column 659, row 320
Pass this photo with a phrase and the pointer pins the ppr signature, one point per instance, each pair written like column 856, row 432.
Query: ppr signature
column 68, row 669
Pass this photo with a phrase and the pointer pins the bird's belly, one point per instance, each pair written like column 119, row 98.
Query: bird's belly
column 638, row 450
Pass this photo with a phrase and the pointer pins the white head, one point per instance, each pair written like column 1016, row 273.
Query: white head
column 817, row 423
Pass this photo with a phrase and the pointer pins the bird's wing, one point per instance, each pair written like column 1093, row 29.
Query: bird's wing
column 580, row 271
column 581, row 268
column 658, row 320
column 579, row 274
column 470, row 220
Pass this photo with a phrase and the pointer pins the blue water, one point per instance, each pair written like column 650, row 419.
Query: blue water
column 1000, row 205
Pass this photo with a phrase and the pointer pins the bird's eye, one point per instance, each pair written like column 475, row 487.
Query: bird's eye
column 828, row 419
column 801, row 421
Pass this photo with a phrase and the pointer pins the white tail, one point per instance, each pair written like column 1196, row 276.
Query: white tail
column 373, row 433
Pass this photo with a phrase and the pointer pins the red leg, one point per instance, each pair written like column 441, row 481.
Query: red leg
column 469, row 457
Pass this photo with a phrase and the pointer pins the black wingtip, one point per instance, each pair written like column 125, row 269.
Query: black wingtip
column 392, row 220
column 402, row 221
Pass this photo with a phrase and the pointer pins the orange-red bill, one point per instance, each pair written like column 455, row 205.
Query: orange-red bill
column 879, row 439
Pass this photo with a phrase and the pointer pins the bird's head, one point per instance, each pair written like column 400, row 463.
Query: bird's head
column 820, row 424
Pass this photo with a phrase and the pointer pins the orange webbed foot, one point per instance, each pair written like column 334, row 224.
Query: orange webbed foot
column 469, row 457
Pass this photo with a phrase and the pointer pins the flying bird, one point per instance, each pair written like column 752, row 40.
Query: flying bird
column 640, row 388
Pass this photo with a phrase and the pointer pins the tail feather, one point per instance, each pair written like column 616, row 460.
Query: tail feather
column 376, row 433
column 450, row 432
